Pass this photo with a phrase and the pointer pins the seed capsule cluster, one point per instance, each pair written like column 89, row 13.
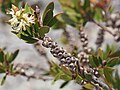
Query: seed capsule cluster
column 93, row 73
column 90, row 71
column 114, row 23
column 117, row 36
column 84, row 55
column 65, row 58
column 83, row 39
column 69, row 61
column 100, row 38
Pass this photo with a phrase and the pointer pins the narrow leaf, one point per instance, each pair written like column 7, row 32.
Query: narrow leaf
column 108, row 74
column 115, row 54
column 27, row 8
column 64, row 84
column 113, row 62
column 47, row 17
column 86, row 4
column 13, row 56
column 92, row 62
column 50, row 6
column 3, row 80
column 53, row 20
column 28, row 39
column 2, row 69
column 68, row 20
column 1, row 56
column 66, row 71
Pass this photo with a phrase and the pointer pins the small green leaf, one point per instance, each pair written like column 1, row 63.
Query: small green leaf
column 96, row 60
column 65, row 77
column 67, row 3
column 88, row 77
column 11, row 68
column 29, row 31
column 13, row 56
column 3, row 80
column 92, row 62
column 1, row 56
column 110, row 49
column 66, row 71
column 100, row 60
column 14, row 32
column 76, row 4
column 113, row 61
column 59, row 25
column 86, row 4
column 108, row 74
column 36, row 26
column 2, row 69
column 50, row 6
column 25, row 33
column 27, row 8
column 28, row 39
column 47, row 17
column 53, row 20
column 98, row 15
column 7, row 56
column 99, row 53
column 64, row 84
column 54, row 69
column 57, row 77
column 78, row 79
column 43, row 30
column 67, row 20
column 115, row 54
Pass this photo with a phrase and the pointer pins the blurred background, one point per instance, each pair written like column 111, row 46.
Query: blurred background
column 29, row 55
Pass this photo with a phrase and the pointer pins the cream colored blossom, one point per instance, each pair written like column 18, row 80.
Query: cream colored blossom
column 20, row 19
column 29, row 19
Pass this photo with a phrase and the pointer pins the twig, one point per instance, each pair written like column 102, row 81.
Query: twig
column 65, row 59
column 41, row 51
column 100, row 39
column 23, row 69
column 68, row 36
column 28, row 66
column 32, row 76
column 110, row 88
column 101, row 83
column 104, row 28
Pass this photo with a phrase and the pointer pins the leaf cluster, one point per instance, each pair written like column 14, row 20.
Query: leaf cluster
column 6, row 65
column 78, row 12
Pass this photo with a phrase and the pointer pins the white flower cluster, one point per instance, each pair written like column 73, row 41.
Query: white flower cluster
column 20, row 19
